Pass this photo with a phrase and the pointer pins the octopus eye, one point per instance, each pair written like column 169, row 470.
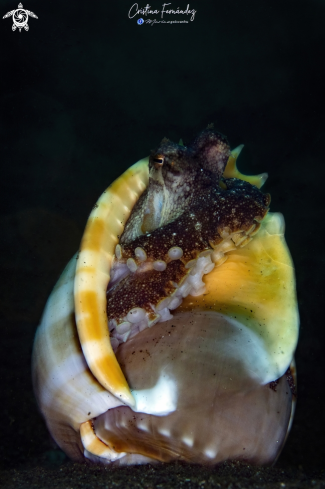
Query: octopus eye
column 158, row 160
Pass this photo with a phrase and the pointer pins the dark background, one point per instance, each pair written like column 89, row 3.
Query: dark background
column 86, row 93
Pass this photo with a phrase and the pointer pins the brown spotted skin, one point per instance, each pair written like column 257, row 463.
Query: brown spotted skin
column 178, row 176
column 143, row 289
column 236, row 208
column 233, row 209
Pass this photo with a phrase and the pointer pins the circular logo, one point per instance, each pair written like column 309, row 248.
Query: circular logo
column 20, row 18
column 140, row 21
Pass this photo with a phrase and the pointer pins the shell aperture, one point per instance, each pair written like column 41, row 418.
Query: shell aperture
column 199, row 288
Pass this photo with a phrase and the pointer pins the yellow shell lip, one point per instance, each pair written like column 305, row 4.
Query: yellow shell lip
column 231, row 170
column 256, row 286
column 252, row 295
column 105, row 224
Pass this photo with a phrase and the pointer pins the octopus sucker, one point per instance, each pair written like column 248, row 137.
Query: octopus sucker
column 179, row 308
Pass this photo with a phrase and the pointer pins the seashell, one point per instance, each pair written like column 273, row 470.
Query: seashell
column 121, row 380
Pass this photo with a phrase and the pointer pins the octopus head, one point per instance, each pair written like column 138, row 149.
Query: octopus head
column 177, row 177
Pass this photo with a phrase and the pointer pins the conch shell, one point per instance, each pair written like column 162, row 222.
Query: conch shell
column 211, row 383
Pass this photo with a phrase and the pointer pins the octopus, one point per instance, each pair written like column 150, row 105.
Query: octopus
column 179, row 230
column 171, row 336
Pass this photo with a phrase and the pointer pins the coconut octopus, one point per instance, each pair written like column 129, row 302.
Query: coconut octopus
column 171, row 334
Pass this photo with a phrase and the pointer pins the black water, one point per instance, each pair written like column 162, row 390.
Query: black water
column 85, row 93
